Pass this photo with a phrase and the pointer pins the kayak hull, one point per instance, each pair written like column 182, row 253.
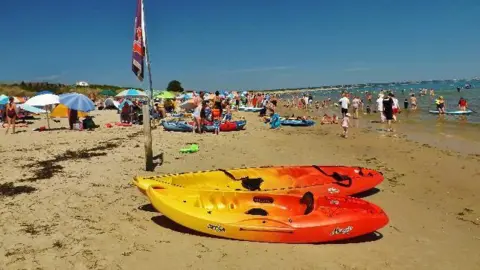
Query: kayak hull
column 278, row 218
column 320, row 180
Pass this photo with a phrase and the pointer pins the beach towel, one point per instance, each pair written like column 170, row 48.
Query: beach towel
column 275, row 121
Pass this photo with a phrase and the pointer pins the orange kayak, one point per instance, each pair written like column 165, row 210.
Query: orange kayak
column 268, row 217
column 320, row 180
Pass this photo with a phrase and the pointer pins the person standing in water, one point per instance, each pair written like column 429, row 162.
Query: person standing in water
column 462, row 104
column 11, row 112
column 388, row 110
column 356, row 104
column 380, row 108
column 405, row 104
column 440, row 102
column 413, row 102
column 396, row 107
column 344, row 102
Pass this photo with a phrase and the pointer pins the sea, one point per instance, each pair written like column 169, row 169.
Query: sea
column 447, row 89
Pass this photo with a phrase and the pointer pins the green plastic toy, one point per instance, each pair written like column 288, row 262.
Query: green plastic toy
column 191, row 149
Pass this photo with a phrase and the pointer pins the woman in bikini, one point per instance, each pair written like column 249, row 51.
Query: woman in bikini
column 11, row 111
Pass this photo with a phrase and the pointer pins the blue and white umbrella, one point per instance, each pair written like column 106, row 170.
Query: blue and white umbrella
column 76, row 101
column 132, row 93
column 31, row 109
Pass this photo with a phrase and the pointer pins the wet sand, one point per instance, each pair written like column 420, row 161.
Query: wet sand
column 68, row 202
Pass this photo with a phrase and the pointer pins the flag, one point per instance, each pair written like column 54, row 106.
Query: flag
column 139, row 44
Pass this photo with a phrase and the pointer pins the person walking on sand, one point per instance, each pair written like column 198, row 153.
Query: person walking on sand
column 345, row 124
column 344, row 102
column 388, row 110
column 11, row 112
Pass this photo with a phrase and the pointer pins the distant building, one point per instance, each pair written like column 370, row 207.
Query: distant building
column 84, row 84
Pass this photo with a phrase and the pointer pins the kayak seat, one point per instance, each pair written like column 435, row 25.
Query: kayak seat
column 257, row 212
column 252, row 184
column 340, row 177
column 308, row 201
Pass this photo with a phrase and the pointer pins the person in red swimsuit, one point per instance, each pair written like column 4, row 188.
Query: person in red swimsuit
column 11, row 110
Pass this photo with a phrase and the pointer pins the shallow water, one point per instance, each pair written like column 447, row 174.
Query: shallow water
column 425, row 103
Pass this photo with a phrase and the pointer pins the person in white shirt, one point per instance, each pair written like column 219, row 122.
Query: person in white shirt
column 380, row 108
column 344, row 102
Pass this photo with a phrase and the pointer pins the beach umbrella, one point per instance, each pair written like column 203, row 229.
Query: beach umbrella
column 5, row 99
column 43, row 92
column 108, row 93
column 31, row 109
column 132, row 93
column 165, row 95
column 76, row 101
column 43, row 100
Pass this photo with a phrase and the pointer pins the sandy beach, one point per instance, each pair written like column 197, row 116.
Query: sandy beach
column 72, row 204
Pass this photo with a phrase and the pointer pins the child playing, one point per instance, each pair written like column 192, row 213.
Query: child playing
column 216, row 118
column 345, row 124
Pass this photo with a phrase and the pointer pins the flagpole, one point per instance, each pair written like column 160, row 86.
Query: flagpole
column 147, row 56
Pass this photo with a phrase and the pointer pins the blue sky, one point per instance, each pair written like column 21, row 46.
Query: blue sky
column 217, row 44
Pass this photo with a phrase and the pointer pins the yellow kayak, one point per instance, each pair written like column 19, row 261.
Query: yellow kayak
column 321, row 180
column 268, row 217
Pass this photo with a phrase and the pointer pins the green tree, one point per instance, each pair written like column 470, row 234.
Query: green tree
column 174, row 86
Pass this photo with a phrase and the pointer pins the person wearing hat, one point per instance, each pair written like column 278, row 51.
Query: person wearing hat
column 345, row 124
